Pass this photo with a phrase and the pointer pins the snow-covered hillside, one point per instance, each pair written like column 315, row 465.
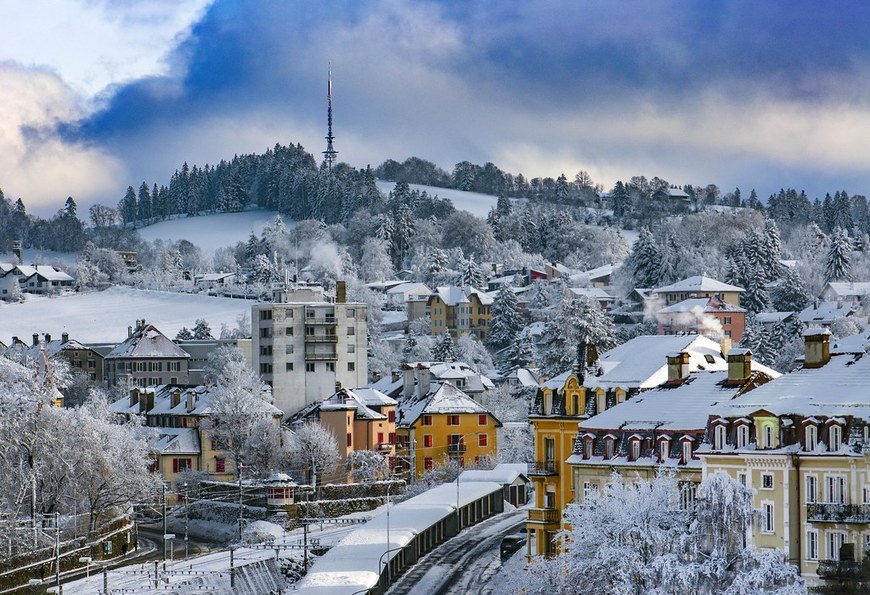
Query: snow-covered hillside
column 210, row 232
column 104, row 316
column 473, row 202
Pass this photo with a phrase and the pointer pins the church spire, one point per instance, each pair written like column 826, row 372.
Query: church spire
column 330, row 153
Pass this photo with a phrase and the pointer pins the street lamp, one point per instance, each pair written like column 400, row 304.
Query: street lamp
column 389, row 485
column 186, row 518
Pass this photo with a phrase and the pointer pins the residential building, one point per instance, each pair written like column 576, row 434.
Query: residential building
column 212, row 280
column 853, row 292
column 184, row 440
column 710, row 317
column 439, row 423
column 200, row 349
column 81, row 357
column 596, row 385
column 33, row 279
column 359, row 419
column 306, row 342
column 821, row 313
column 699, row 286
column 459, row 311
column 146, row 358
column 399, row 295
column 595, row 294
column 802, row 442
column 459, row 374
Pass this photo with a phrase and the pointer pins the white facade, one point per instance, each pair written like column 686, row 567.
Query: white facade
column 304, row 345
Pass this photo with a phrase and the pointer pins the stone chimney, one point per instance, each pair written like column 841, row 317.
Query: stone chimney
column 64, row 337
column 129, row 331
column 35, row 339
column 134, row 396
column 739, row 366
column 408, row 386
column 340, row 292
column 424, row 378
column 817, row 347
column 47, row 338
column 678, row 367
column 725, row 346
column 191, row 401
column 175, row 398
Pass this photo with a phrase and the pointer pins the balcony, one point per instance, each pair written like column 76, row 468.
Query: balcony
column 456, row 448
column 385, row 446
column 312, row 318
column 544, row 515
column 543, row 468
column 321, row 357
column 838, row 513
column 321, row 339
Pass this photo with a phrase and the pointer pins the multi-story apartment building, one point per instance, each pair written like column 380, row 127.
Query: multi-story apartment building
column 459, row 311
column 697, row 315
column 146, row 358
column 698, row 286
column 305, row 342
column 439, row 423
column 598, row 385
column 802, row 442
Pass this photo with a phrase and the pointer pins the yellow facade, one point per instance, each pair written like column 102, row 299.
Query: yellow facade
column 435, row 439
column 467, row 317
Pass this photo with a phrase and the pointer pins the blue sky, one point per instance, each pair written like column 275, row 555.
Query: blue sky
column 96, row 95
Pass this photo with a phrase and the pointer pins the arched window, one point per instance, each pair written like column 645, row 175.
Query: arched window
column 635, row 449
column 811, row 438
column 719, row 437
column 609, row 447
column 664, row 450
column 588, row 444
column 742, row 436
column 835, row 438
column 767, row 436
column 687, row 451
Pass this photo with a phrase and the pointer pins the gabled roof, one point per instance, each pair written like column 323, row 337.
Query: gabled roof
column 177, row 441
column 702, row 304
column 442, row 399
column 49, row 273
column 848, row 288
column 452, row 295
column 201, row 397
column 697, row 283
column 825, row 312
column 147, row 341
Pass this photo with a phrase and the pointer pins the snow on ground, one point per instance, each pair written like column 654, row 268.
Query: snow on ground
column 104, row 316
column 210, row 232
column 473, row 202
column 393, row 316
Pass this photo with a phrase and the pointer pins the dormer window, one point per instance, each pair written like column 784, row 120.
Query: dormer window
column 767, row 436
column 609, row 447
column 664, row 449
column 835, row 438
column 588, row 444
column 687, row 451
column 811, row 438
column 742, row 436
column 634, row 446
column 719, row 437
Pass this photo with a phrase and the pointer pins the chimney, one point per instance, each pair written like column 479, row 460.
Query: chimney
column 340, row 292
column 394, row 374
column 47, row 338
column 176, row 398
column 134, row 396
column 64, row 337
column 129, row 331
column 35, row 339
column 678, row 367
column 191, row 401
column 17, row 251
column 424, row 376
column 725, row 346
column 739, row 366
column 408, row 386
column 337, row 386
column 817, row 347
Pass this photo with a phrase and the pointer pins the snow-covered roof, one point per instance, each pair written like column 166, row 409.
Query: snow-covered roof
column 702, row 304
column 697, row 283
column 349, row 399
column 852, row 344
column 847, row 289
column 825, row 312
column 441, row 399
column 772, row 317
column 505, row 473
column 163, row 394
column 409, row 287
column 356, row 562
column 214, row 276
column 452, row 295
column 147, row 341
column 177, row 441
column 47, row 272
column 594, row 293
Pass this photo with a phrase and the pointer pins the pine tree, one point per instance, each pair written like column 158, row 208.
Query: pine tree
column 184, row 334
column 790, row 294
column 755, row 297
column 646, row 260
column 506, row 321
column 444, row 350
column 471, row 274
column 837, row 266
column 522, row 352
column 579, row 321
column 771, row 251
column 202, row 330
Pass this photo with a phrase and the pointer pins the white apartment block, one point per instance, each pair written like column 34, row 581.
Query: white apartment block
column 305, row 342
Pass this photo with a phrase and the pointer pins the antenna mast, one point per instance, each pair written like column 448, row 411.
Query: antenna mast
column 330, row 153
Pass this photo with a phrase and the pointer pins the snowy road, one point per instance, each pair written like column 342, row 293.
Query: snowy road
column 463, row 564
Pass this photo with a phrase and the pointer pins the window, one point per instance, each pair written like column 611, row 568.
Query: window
column 812, row 489
column 265, row 350
column 588, row 446
column 351, row 366
column 265, row 368
column 726, row 320
column 181, row 465
column 589, row 488
column 767, row 520
column 392, row 437
column 92, row 364
column 427, row 420
column 687, row 495
column 349, row 439
column 351, row 348
column 835, row 489
column 741, row 477
column 220, row 465
column 635, row 449
column 265, row 333
column 664, row 450
column 309, row 331
column 380, row 438
column 351, row 331
column 288, row 313
column 482, row 439
column 330, row 366
column 742, row 436
column 719, row 437
column 265, row 315
column 687, row 451
column 288, row 331
column 452, row 420
column 811, row 438
column 812, row 545
column 767, row 481
column 767, row 436
column 836, row 540
column 391, row 416
column 309, row 366
column 427, row 463
column 709, row 358
column 427, row 440
column 609, row 447
column 481, row 420
column 288, row 367
column 351, row 313
column 288, row 349
column 835, row 438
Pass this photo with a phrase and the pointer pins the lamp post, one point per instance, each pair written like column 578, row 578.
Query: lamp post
column 389, row 485
column 186, row 519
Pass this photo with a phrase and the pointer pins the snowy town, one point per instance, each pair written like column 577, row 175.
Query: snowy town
column 251, row 343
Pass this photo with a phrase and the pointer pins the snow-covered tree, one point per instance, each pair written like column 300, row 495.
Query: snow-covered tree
column 755, row 297
column 578, row 321
column 470, row 349
column 646, row 260
column 516, row 443
column 790, row 294
column 506, row 321
column 218, row 359
column 471, row 275
column 837, row 265
column 315, row 449
column 202, row 330
column 366, row 466
column 444, row 350
column 376, row 264
column 771, row 250
column 184, row 334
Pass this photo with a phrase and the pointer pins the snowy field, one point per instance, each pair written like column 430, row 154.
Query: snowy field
column 473, row 202
column 210, row 232
column 104, row 316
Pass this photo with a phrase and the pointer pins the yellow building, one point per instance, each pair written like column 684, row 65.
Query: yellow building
column 439, row 423
column 459, row 311
column 698, row 286
column 184, row 441
column 802, row 443
column 564, row 401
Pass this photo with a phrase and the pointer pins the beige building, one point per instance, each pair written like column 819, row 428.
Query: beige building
column 459, row 311
column 146, row 358
column 306, row 342
column 802, row 442
column 698, row 286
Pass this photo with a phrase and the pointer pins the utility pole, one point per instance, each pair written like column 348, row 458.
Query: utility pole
column 164, row 529
column 105, row 581
column 305, row 545
column 232, row 571
column 241, row 506
column 57, row 550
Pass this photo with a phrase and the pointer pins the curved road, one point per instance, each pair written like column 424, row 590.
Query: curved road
column 463, row 564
